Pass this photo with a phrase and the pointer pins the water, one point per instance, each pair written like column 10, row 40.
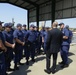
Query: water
column 74, row 38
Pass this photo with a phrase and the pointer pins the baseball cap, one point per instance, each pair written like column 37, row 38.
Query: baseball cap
column 61, row 24
column 19, row 25
column 1, row 22
column 11, row 24
column 67, row 26
column 32, row 26
column 6, row 25
column 24, row 25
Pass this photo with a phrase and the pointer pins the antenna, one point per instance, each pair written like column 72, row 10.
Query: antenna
column 13, row 22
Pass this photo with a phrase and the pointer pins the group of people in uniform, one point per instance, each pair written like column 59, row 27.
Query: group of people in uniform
column 14, row 43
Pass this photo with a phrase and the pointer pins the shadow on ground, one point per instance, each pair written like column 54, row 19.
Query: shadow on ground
column 24, row 70
column 58, row 68
column 70, row 54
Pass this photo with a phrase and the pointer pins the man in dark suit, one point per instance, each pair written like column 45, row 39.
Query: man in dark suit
column 53, row 44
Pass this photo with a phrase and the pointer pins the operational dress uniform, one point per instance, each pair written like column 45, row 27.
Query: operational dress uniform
column 70, row 35
column 70, row 38
column 44, row 38
column 65, row 48
column 37, row 48
column 31, row 38
column 18, row 34
column 2, row 57
column 9, row 39
column 41, row 35
column 25, row 32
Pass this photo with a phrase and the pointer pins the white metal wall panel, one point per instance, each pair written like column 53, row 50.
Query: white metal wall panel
column 58, row 14
column 45, row 12
column 45, row 17
column 59, row 5
column 67, row 3
column 33, row 19
column 67, row 13
column 32, row 16
column 64, row 9
column 68, row 9
column 45, row 9
column 74, row 2
column 32, row 13
column 74, row 12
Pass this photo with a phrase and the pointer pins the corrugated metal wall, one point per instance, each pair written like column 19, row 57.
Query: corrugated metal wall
column 64, row 9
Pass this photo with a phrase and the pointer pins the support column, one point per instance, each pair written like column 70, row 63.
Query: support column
column 53, row 10
column 28, row 18
column 37, row 16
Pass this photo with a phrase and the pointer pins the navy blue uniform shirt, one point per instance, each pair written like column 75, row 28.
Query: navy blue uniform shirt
column 70, row 36
column 19, row 34
column 8, row 36
column 31, row 36
column 42, row 32
column 24, row 32
column 65, row 33
column 2, row 37
column 45, row 36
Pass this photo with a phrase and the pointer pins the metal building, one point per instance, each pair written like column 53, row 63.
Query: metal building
column 41, row 10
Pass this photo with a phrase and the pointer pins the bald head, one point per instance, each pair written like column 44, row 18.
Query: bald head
column 55, row 24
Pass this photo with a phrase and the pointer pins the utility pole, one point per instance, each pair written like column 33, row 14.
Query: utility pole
column 13, row 22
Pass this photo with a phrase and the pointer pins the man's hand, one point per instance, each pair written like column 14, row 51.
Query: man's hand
column 4, row 49
column 13, row 46
column 23, row 43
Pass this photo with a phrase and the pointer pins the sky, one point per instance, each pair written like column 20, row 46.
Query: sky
column 8, row 11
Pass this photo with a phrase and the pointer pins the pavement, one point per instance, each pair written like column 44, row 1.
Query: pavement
column 38, row 67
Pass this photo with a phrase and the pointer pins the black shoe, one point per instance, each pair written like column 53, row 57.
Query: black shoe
column 65, row 65
column 53, row 71
column 21, row 63
column 9, row 69
column 47, row 71
column 61, row 63
column 16, row 68
column 6, row 74
column 33, row 60
column 27, row 63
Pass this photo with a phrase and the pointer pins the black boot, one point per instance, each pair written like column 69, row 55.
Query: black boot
column 16, row 67
column 33, row 60
column 21, row 63
column 10, row 69
column 27, row 62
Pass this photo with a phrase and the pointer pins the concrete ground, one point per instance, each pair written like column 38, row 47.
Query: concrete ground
column 38, row 67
